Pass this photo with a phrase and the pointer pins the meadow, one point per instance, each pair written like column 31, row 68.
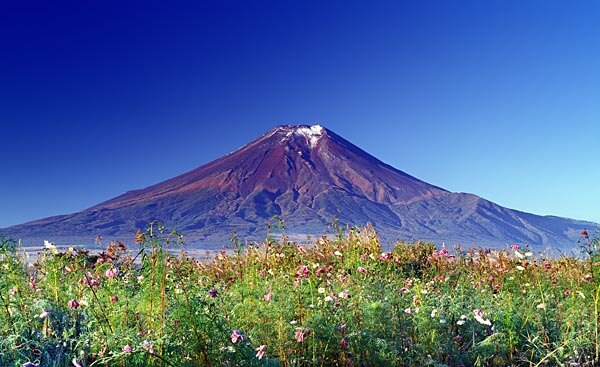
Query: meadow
column 340, row 302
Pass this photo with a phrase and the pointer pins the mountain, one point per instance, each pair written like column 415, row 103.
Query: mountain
column 307, row 175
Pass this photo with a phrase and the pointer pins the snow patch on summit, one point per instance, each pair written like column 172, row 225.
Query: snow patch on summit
column 312, row 134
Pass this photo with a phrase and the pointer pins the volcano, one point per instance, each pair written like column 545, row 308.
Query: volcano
column 308, row 176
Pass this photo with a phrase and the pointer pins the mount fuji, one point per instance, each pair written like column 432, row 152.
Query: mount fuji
column 309, row 176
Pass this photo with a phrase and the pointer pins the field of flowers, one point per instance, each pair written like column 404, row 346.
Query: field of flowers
column 341, row 302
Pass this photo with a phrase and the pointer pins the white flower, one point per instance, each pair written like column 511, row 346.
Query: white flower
column 541, row 306
column 478, row 315
column 460, row 322
column 328, row 299
column 519, row 255
column 321, row 290
column 409, row 311
column 433, row 313
column 50, row 246
column 337, row 253
column 520, row 268
column 293, row 322
column 529, row 254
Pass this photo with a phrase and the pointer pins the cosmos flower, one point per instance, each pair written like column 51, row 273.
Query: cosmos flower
column 478, row 315
column 268, row 297
column 73, row 304
column 301, row 334
column 236, row 336
column 361, row 270
column 111, row 273
column 344, row 294
column 515, row 247
column 127, row 348
column 260, row 351
column 44, row 314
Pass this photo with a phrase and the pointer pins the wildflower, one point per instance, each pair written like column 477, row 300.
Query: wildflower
column 442, row 320
column 127, row 348
column 541, row 306
column 32, row 283
column 236, row 336
column 567, row 292
column 75, row 363
column 301, row 334
column 343, row 343
column 529, row 254
column 140, row 278
column 29, row 364
column 50, row 247
column 44, row 314
column 585, row 233
column 403, row 290
column 520, row 268
column 433, row 313
column 268, row 297
column 478, row 315
column 328, row 299
column 547, row 265
column 321, row 290
column 111, row 273
column 148, row 346
column 303, row 272
column 114, row 299
column 337, row 253
column 463, row 319
column 515, row 247
column 409, row 311
column 587, row 277
column 213, row 293
column 90, row 281
column 519, row 255
column 344, row 294
column 73, row 304
column 361, row 270
column 260, row 352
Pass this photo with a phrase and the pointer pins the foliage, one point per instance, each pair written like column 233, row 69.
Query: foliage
column 340, row 302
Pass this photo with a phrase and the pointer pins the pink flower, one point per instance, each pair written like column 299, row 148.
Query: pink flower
column 260, row 351
column 568, row 292
column 268, row 297
column 301, row 334
column 236, row 336
column 73, row 304
column 114, row 299
column 515, row 247
column 44, row 314
column 547, row 265
column 127, row 348
column 111, row 273
column 361, row 270
column 344, row 294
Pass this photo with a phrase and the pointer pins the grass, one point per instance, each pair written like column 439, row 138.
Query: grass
column 341, row 302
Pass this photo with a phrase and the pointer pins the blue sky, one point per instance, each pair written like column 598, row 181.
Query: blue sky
column 496, row 98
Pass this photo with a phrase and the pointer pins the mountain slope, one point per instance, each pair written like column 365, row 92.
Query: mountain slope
column 307, row 175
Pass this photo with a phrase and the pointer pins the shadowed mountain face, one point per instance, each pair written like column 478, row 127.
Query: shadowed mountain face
column 308, row 176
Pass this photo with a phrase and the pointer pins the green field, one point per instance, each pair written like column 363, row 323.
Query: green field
column 341, row 302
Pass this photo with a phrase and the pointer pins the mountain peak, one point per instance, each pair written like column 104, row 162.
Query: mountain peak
column 312, row 133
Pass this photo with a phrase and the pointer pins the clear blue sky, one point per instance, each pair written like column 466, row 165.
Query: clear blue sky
column 497, row 98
